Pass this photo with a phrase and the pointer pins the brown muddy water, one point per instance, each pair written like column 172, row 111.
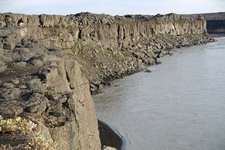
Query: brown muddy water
column 180, row 105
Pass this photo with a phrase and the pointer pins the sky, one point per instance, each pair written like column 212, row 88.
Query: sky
column 112, row 7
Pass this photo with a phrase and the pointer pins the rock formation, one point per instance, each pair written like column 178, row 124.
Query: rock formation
column 46, row 86
column 49, row 65
column 215, row 23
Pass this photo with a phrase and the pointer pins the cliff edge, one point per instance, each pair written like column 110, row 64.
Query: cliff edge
column 45, row 86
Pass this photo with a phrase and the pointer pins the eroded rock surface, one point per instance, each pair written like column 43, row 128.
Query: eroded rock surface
column 47, row 86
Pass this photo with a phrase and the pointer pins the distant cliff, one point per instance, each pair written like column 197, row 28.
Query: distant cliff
column 49, row 65
column 215, row 23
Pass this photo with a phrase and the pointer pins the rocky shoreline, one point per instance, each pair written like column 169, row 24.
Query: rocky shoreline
column 50, row 66
column 109, row 47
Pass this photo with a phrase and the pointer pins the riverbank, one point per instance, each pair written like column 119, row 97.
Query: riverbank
column 176, row 106
column 109, row 47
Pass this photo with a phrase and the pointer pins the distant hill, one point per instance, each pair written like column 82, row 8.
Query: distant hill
column 215, row 23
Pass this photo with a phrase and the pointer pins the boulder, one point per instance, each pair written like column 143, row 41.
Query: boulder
column 151, row 54
column 148, row 71
column 151, row 61
column 109, row 148
column 3, row 66
column 1, row 45
column 161, row 54
column 9, row 44
column 158, row 62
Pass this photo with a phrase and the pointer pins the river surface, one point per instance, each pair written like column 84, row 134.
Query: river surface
column 180, row 105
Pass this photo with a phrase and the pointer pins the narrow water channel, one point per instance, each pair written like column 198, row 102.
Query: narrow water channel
column 180, row 105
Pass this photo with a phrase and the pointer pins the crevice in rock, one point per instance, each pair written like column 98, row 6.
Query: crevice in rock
column 118, row 31
column 46, row 110
column 79, row 34
column 67, row 77
column 124, row 36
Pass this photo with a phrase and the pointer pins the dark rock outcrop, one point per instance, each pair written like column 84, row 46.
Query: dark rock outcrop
column 47, row 86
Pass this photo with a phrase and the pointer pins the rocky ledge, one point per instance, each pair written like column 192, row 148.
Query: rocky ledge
column 49, row 65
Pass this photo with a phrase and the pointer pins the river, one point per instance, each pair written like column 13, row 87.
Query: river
column 180, row 105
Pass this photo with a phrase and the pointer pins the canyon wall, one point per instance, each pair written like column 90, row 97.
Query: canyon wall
column 215, row 23
column 118, row 31
column 50, row 64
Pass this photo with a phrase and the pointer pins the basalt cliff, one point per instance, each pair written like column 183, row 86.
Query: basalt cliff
column 50, row 66
column 215, row 23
